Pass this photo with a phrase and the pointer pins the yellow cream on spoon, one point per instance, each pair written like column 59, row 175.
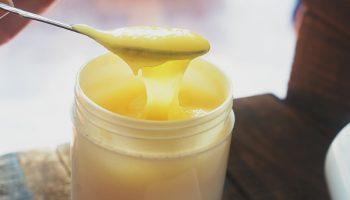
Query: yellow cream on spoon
column 162, row 55
column 146, row 46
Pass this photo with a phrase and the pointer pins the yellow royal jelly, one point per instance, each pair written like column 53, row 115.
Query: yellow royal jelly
column 162, row 55
column 118, row 157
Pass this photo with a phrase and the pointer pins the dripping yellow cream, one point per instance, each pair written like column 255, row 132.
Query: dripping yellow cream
column 160, row 57
column 152, row 121
column 146, row 46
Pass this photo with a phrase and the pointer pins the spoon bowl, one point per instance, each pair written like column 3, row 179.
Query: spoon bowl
column 138, row 46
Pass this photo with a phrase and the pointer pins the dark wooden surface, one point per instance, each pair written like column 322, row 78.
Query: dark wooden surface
column 277, row 152
column 319, row 84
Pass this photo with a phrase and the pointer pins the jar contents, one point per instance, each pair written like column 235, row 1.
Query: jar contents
column 152, row 74
column 158, row 57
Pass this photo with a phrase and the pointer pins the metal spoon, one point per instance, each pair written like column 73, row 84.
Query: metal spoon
column 156, row 55
column 36, row 17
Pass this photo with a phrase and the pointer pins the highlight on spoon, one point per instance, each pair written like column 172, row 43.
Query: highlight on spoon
column 151, row 39
column 148, row 45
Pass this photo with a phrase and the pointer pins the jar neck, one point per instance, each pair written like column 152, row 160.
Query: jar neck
column 148, row 129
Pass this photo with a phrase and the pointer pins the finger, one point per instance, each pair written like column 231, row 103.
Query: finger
column 12, row 24
column 2, row 12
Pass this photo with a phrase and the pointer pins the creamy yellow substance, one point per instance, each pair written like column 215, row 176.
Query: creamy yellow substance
column 160, row 57
column 109, row 163
column 155, row 76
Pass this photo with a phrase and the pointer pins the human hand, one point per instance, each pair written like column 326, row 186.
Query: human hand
column 11, row 24
column 3, row 13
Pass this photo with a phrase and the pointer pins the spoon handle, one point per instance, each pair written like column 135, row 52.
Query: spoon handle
column 36, row 17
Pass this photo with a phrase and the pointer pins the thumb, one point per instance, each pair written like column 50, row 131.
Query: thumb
column 11, row 24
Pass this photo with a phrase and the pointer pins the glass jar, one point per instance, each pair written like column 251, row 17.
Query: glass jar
column 118, row 157
column 3, row 13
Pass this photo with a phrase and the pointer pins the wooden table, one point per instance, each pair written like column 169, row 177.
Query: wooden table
column 278, row 146
column 276, row 153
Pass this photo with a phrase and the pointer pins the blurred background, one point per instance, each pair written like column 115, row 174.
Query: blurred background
column 252, row 40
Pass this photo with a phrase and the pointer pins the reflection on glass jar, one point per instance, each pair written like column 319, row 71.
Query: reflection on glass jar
column 119, row 157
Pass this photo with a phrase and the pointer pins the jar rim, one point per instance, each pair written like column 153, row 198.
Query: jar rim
column 180, row 155
column 127, row 121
